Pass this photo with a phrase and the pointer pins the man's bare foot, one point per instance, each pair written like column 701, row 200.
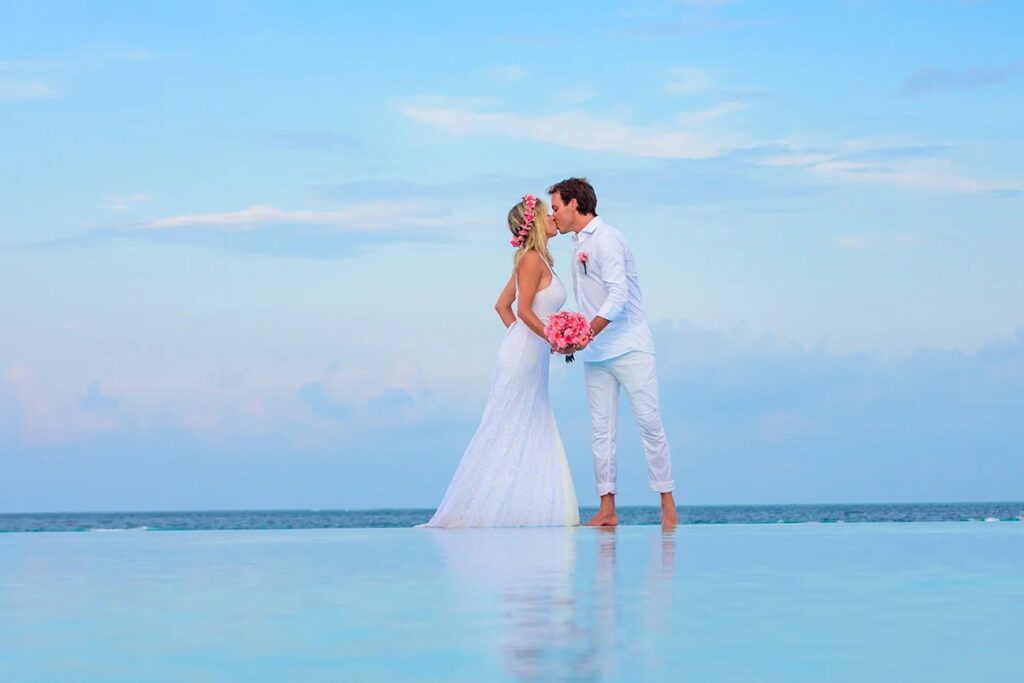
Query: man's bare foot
column 669, row 516
column 605, row 515
column 603, row 518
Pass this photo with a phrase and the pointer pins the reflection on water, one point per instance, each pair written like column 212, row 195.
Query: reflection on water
column 558, row 601
column 766, row 603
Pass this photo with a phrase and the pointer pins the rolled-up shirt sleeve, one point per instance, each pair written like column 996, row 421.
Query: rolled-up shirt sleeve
column 613, row 272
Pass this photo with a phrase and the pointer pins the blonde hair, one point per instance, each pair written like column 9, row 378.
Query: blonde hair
column 537, row 239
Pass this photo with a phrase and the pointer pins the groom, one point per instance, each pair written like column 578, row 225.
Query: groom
column 621, row 354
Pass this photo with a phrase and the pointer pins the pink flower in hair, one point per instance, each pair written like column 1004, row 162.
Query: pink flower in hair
column 529, row 213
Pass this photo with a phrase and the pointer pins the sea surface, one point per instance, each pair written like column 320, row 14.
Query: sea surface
column 937, row 602
column 398, row 518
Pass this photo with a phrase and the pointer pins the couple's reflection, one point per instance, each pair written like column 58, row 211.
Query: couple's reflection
column 564, row 612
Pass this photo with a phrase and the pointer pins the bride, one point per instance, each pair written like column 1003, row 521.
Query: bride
column 514, row 471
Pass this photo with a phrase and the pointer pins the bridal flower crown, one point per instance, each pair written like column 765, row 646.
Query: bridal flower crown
column 528, row 215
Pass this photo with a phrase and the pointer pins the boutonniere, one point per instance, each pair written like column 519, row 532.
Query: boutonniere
column 582, row 258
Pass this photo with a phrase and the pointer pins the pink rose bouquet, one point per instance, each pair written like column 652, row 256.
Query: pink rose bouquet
column 566, row 330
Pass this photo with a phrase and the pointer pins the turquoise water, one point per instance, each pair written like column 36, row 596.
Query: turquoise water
column 807, row 602
column 386, row 518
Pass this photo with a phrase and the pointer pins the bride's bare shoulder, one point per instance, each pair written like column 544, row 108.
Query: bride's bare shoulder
column 530, row 261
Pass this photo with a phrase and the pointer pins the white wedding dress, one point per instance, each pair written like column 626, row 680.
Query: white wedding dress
column 514, row 471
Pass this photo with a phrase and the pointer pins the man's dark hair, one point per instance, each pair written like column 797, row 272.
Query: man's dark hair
column 579, row 189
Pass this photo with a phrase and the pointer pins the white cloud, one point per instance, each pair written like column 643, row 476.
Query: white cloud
column 780, row 426
column 577, row 130
column 47, row 410
column 860, row 161
column 31, row 79
column 88, row 60
column 50, row 407
column 694, row 118
column 125, row 201
column 574, row 95
column 12, row 91
column 265, row 214
column 505, row 73
column 936, row 175
column 17, row 372
column 688, row 80
column 873, row 241
column 331, row 234
column 692, row 81
column 933, row 80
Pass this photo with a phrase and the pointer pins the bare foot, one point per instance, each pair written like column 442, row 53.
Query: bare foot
column 603, row 518
column 605, row 515
column 669, row 516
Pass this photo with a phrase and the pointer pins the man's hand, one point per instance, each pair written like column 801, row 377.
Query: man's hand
column 596, row 325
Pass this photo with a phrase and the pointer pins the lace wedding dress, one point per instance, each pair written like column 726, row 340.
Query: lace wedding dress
column 514, row 471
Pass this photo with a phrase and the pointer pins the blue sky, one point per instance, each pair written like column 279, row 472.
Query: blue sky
column 248, row 252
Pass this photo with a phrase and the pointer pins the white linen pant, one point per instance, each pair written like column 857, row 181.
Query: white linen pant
column 634, row 372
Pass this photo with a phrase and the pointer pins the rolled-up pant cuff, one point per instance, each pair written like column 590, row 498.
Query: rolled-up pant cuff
column 663, row 486
column 603, row 489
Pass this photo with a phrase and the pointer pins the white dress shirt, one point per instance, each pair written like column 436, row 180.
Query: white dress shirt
column 609, row 287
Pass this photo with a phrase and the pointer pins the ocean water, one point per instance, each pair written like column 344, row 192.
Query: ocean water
column 901, row 602
column 396, row 518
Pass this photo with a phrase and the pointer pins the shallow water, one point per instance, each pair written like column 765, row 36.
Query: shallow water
column 813, row 602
